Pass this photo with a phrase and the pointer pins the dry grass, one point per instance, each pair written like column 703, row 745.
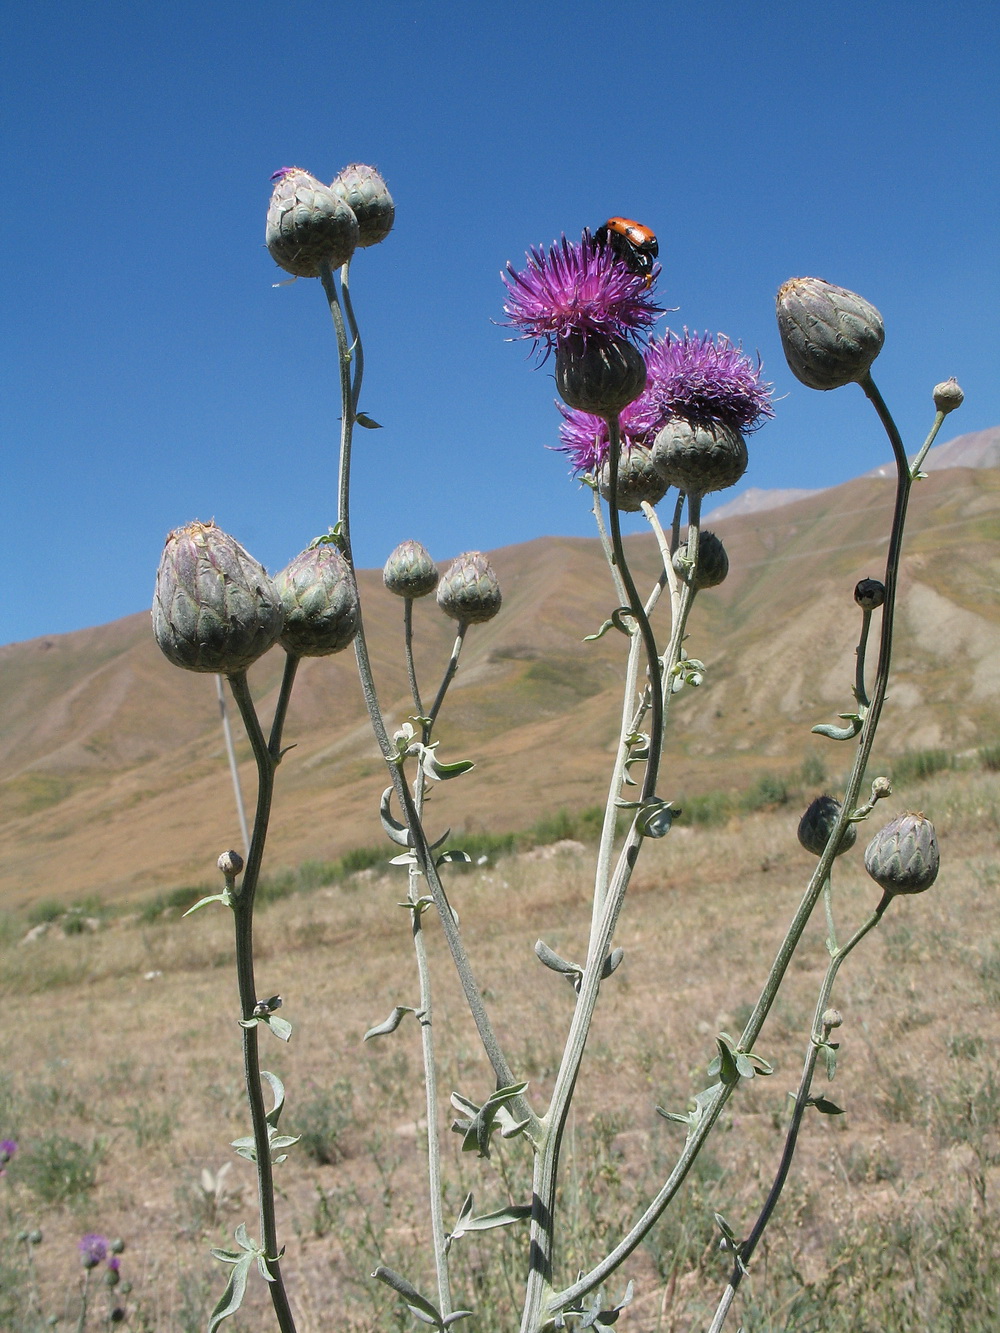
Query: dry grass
column 148, row 1070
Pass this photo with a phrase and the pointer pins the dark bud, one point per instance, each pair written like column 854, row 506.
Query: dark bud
column 365, row 193
column 638, row 479
column 469, row 591
column 699, row 457
column 817, row 823
column 869, row 594
column 308, row 225
column 903, row 857
column 117, row 1246
column 713, row 563
column 832, row 1018
column 320, row 601
column 599, row 374
column 948, row 396
column 410, row 571
column 830, row 336
column 215, row 609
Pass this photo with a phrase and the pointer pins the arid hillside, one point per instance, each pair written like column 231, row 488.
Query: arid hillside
column 114, row 778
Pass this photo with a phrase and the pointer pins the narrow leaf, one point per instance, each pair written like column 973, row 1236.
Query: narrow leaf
column 232, row 1298
column 363, row 419
column 398, row 832
column 278, row 1088
column 420, row 1305
column 222, row 897
column 391, row 1023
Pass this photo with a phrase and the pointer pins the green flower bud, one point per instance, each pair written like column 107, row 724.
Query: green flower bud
column 307, row 224
column 948, row 395
column 117, row 1246
column 713, row 563
column 869, row 594
column 215, row 609
column 903, row 857
column 638, row 479
column 832, row 1018
column 365, row 193
column 830, row 336
column 230, row 863
column 601, row 373
column 320, row 598
column 410, row 571
column 469, row 591
column 699, row 457
column 817, row 823
column 35, row 1237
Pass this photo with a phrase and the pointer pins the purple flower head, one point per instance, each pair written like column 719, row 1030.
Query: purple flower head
column 93, row 1250
column 8, row 1147
column 585, row 436
column 582, row 289
column 114, row 1263
column 282, row 172
column 706, row 380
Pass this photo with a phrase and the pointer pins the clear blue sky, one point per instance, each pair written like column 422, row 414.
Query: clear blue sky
column 154, row 375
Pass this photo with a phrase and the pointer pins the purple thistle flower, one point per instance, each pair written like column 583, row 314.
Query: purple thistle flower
column 577, row 289
column 585, row 436
column 93, row 1250
column 706, row 380
column 114, row 1263
column 8, row 1147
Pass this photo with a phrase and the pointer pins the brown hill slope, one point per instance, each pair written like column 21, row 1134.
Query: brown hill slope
column 114, row 774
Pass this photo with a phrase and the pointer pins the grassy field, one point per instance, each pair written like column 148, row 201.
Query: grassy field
column 122, row 1086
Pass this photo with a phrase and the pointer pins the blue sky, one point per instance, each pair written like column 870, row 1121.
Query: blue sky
column 155, row 374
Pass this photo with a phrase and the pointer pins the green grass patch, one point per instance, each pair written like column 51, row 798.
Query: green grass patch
column 919, row 765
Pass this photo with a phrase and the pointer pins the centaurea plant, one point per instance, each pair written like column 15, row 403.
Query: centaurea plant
column 641, row 416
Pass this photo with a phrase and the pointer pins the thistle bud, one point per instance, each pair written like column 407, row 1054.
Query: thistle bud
column 365, row 193
column 948, row 395
column 601, row 373
column 320, row 600
column 410, row 571
column 817, row 823
column 215, row 609
column 830, row 336
column 869, row 594
column 903, row 857
column 230, row 863
column 699, row 457
column 832, row 1018
column 469, row 591
column 713, row 562
column 308, row 225
column 638, row 480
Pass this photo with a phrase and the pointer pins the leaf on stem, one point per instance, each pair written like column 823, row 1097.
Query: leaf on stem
column 392, row 1022
column 225, row 897
column 516, row 1212
column 847, row 733
column 480, row 1122
column 426, row 1311
column 363, row 419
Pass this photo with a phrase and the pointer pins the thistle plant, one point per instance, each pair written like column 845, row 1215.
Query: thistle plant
column 644, row 420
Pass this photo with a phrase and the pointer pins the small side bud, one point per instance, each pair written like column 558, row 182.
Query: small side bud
column 881, row 788
column 832, row 1018
column 869, row 594
column 320, row 601
column 904, row 857
column 599, row 374
column 366, row 194
column 817, row 823
column 214, row 609
column 830, row 336
column 713, row 562
column 699, row 457
column 230, row 863
column 638, row 480
column 469, row 590
column 948, row 395
column 410, row 571
column 308, row 225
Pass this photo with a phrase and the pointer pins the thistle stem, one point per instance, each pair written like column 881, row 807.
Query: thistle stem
column 234, row 772
column 411, row 670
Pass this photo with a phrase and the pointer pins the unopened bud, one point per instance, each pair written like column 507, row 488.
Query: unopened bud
column 699, row 457
column 817, row 824
column 948, row 395
column 638, row 480
column 881, row 788
column 832, row 1018
column 469, row 591
column 903, row 857
column 869, row 594
column 320, row 601
column 830, row 336
column 368, row 197
column 599, row 374
column 308, row 225
column 410, row 571
column 215, row 609
column 230, row 863
column 713, row 562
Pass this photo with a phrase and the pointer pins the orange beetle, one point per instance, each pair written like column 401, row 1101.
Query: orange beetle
column 633, row 243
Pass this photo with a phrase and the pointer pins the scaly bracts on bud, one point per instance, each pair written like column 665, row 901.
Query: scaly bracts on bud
column 320, row 600
column 830, row 336
column 215, row 609
column 903, row 857
column 869, row 594
column 699, row 458
column 599, row 375
column 410, row 571
column 469, row 591
column 366, row 194
column 308, row 225
column 817, row 824
column 948, row 395
column 713, row 562
column 638, row 480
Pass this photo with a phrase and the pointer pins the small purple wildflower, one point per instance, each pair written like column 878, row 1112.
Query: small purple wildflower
column 585, row 436
column 582, row 289
column 114, row 1263
column 93, row 1250
column 8, row 1147
column 706, row 380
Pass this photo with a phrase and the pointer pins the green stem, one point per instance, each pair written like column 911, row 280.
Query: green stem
column 859, row 672
column 411, row 670
column 448, row 677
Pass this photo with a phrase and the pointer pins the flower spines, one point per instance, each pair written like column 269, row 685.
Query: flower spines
column 705, row 379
